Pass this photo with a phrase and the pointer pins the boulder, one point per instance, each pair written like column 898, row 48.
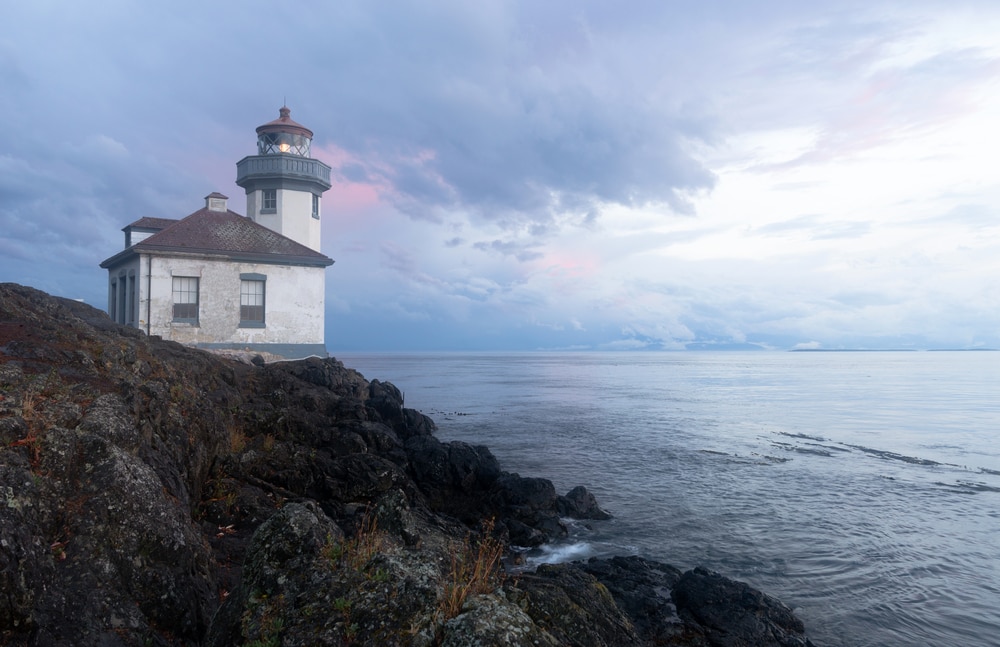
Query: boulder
column 734, row 614
column 579, row 503
column 642, row 589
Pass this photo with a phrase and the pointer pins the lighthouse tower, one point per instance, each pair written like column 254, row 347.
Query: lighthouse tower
column 283, row 184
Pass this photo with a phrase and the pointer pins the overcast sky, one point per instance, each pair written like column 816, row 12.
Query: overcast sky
column 557, row 174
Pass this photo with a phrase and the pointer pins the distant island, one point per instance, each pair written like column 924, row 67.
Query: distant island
column 884, row 350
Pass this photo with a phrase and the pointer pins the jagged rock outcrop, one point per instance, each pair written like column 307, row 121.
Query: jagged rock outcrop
column 153, row 494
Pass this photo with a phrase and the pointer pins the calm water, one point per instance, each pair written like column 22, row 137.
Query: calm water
column 863, row 489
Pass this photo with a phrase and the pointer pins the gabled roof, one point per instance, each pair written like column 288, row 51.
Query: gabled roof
column 225, row 234
column 151, row 223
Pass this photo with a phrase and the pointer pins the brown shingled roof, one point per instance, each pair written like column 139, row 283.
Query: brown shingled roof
column 151, row 223
column 227, row 234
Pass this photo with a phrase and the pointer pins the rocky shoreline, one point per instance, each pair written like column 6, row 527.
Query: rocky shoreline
column 153, row 494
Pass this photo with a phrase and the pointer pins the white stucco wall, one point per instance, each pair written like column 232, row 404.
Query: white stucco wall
column 293, row 312
column 298, row 224
column 292, row 219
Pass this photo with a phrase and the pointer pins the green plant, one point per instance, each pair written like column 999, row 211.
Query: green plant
column 332, row 551
column 343, row 606
column 270, row 625
column 378, row 575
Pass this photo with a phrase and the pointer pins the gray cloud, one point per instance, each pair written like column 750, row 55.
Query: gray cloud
column 496, row 127
column 519, row 250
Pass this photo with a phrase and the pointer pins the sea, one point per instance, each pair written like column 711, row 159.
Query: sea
column 860, row 488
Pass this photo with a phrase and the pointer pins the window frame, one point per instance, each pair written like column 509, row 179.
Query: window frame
column 178, row 288
column 248, row 280
column 269, row 197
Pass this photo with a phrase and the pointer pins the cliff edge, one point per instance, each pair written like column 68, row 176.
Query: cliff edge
column 154, row 494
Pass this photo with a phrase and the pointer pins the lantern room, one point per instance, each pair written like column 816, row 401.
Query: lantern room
column 283, row 136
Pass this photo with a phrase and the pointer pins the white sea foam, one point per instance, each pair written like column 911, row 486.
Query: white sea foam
column 559, row 553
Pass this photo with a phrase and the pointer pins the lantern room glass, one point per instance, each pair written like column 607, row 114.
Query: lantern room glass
column 277, row 143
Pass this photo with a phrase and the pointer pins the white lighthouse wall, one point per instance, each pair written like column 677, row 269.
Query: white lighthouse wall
column 295, row 211
column 270, row 220
column 293, row 303
column 293, row 217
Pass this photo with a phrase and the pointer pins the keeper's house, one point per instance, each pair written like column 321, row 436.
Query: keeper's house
column 219, row 280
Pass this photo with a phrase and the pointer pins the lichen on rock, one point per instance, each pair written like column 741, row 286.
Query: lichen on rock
column 154, row 494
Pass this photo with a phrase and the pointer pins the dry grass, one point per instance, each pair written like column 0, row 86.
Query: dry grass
column 36, row 423
column 268, row 442
column 475, row 569
column 237, row 437
column 356, row 551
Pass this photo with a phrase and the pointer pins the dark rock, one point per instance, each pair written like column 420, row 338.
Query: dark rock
column 734, row 614
column 642, row 590
column 154, row 494
column 289, row 543
column 492, row 620
column 579, row 503
column 449, row 467
column 385, row 402
column 573, row 606
column 416, row 424
column 524, row 536
column 513, row 490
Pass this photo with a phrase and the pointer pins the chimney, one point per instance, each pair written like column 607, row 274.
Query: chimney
column 216, row 202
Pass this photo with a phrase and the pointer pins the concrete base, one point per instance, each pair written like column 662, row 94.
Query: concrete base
column 286, row 351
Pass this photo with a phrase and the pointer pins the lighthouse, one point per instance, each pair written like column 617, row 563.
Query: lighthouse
column 285, row 186
column 218, row 280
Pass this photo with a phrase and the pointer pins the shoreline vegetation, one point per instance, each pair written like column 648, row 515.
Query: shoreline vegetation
column 154, row 494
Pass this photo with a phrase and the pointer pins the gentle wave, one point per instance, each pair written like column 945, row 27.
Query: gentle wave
column 862, row 489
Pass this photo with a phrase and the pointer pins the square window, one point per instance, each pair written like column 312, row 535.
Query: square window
column 269, row 200
column 185, row 299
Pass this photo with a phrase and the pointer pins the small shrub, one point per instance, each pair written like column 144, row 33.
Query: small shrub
column 34, row 419
column 268, row 442
column 475, row 570
column 378, row 575
column 358, row 550
column 237, row 438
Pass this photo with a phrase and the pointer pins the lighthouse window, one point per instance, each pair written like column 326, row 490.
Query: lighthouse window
column 269, row 201
column 185, row 292
column 252, row 302
column 316, row 206
column 278, row 143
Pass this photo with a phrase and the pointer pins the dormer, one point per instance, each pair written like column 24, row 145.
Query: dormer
column 143, row 228
column 216, row 202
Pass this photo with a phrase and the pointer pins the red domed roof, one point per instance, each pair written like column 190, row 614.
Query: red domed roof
column 284, row 124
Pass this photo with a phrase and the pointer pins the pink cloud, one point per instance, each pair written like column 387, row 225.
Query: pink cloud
column 347, row 194
column 567, row 271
